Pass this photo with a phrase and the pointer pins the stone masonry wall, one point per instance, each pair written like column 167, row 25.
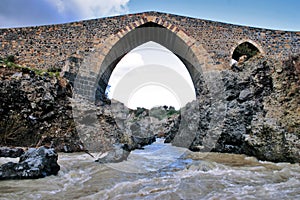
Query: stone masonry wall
column 52, row 45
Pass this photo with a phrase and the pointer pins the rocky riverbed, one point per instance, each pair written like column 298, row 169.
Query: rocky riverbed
column 262, row 116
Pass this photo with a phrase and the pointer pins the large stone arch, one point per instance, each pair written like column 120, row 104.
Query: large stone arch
column 192, row 54
column 96, row 69
column 94, row 72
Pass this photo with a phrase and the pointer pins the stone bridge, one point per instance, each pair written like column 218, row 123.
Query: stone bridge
column 244, row 112
column 97, row 45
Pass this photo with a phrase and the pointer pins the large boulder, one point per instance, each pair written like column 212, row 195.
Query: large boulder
column 35, row 163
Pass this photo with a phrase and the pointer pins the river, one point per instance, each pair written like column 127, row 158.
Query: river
column 161, row 171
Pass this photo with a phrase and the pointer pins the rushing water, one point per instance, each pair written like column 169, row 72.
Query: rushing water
column 158, row 173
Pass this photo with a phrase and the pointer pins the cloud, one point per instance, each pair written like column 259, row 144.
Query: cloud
column 86, row 9
column 16, row 13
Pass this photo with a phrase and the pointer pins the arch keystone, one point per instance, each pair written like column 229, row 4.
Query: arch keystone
column 150, row 18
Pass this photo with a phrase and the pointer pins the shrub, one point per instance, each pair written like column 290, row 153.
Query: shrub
column 10, row 58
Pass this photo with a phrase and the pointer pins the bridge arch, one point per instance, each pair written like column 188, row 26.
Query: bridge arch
column 96, row 69
column 251, row 43
column 190, row 52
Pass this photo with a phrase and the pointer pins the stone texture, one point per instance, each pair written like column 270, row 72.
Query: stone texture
column 261, row 120
column 54, row 45
column 245, row 95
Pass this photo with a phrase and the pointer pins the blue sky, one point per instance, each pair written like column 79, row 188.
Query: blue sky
column 273, row 14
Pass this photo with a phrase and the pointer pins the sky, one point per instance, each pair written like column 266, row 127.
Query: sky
column 272, row 14
column 151, row 75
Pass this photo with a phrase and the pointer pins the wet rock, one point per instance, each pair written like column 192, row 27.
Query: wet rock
column 11, row 152
column 171, row 128
column 35, row 163
column 117, row 154
column 139, row 142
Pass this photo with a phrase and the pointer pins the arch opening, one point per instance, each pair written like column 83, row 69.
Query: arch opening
column 162, row 36
column 153, row 75
column 245, row 51
column 150, row 90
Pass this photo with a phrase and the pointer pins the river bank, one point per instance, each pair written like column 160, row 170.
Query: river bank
column 260, row 111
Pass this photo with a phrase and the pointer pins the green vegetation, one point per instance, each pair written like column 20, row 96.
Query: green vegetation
column 9, row 62
column 163, row 112
column 10, row 58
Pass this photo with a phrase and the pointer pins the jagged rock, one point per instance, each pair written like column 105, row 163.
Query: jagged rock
column 171, row 128
column 139, row 142
column 257, row 122
column 260, row 120
column 245, row 94
column 242, row 59
column 35, row 163
column 117, row 154
column 31, row 109
column 11, row 152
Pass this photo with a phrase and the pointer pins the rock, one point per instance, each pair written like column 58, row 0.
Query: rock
column 189, row 125
column 233, row 62
column 117, row 154
column 48, row 97
column 138, row 142
column 269, row 141
column 11, row 152
column 242, row 59
column 17, row 75
column 262, row 119
column 279, row 71
column 245, row 95
column 32, row 109
column 35, row 163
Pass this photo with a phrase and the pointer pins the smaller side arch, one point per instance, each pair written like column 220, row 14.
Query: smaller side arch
column 252, row 44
